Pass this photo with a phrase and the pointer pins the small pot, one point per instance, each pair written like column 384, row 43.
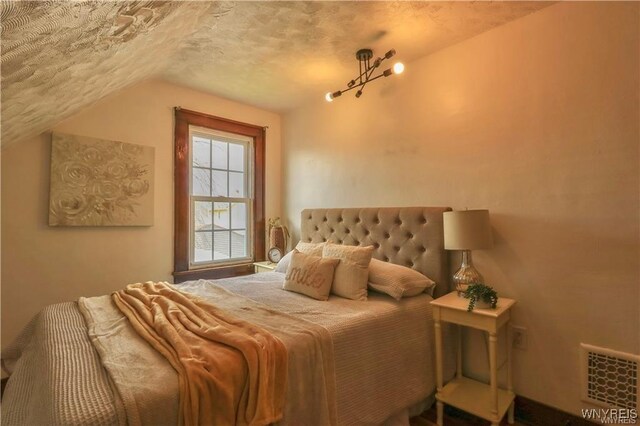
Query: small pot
column 481, row 304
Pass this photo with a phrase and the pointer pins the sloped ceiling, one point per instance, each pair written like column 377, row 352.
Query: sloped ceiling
column 61, row 56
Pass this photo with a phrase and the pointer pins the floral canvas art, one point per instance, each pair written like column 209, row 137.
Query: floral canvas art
column 98, row 182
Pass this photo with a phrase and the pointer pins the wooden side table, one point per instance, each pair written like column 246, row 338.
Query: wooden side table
column 265, row 266
column 480, row 399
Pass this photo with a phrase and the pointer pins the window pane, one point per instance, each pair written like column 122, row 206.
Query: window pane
column 202, row 246
column 221, row 245
column 220, row 155
column 201, row 152
column 236, row 157
column 238, row 244
column 219, row 183
column 221, row 216
column 238, row 215
column 236, row 184
column 201, row 184
column 202, row 216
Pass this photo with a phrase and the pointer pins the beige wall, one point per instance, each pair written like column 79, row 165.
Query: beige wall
column 537, row 121
column 43, row 265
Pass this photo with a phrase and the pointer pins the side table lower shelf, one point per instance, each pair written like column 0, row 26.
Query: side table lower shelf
column 474, row 397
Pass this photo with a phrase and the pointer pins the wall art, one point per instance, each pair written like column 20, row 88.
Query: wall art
column 97, row 182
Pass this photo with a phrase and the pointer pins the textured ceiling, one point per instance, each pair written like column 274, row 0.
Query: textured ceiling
column 60, row 56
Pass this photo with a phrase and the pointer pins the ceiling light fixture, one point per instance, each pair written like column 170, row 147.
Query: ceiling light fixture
column 366, row 71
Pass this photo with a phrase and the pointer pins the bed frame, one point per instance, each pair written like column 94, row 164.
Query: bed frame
column 408, row 236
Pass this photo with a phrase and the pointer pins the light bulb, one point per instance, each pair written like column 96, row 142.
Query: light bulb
column 398, row 68
column 328, row 97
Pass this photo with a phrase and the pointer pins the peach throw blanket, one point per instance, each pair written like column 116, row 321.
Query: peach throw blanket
column 229, row 371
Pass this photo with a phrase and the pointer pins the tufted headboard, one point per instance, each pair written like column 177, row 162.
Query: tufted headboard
column 408, row 236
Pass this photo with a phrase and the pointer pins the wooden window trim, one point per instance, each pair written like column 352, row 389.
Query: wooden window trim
column 183, row 119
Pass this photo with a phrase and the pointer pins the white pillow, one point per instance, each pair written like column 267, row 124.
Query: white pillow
column 283, row 264
column 310, row 275
column 350, row 279
column 397, row 281
column 313, row 249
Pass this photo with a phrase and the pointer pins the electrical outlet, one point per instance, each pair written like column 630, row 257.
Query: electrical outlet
column 519, row 336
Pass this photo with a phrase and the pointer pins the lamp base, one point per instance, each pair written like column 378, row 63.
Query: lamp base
column 466, row 275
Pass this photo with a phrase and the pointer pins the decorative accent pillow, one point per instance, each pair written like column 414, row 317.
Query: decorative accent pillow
column 350, row 279
column 314, row 249
column 397, row 281
column 310, row 275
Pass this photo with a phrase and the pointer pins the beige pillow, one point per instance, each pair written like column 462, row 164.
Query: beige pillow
column 397, row 281
column 314, row 249
column 310, row 275
column 350, row 279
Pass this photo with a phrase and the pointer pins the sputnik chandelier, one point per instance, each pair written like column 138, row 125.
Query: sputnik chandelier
column 366, row 71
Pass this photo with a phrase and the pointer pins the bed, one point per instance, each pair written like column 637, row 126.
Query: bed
column 372, row 362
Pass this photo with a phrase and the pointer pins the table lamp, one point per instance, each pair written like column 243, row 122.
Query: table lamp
column 467, row 230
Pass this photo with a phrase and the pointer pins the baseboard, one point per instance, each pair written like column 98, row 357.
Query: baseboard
column 530, row 412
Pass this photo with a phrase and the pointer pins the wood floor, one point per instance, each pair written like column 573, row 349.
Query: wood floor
column 452, row 417
column 528, row 413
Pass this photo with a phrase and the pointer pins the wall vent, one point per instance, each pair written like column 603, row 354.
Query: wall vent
column 609, row 378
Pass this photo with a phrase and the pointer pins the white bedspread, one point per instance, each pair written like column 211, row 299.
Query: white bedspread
column 383, row 351
column 56, row 374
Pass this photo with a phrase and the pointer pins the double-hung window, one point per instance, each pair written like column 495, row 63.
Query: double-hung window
column 221, row 201
column 219, row 229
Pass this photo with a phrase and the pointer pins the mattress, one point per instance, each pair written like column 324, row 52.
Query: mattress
column 383, row 352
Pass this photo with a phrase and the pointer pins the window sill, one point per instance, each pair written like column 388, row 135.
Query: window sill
column 213, row 273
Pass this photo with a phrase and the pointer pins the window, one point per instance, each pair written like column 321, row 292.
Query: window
column 220, row 197
column 219, row 192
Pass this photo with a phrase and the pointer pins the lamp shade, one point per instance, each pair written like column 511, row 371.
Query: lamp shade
column 467, row 230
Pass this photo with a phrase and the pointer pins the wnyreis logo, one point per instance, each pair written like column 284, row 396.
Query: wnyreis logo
column 611, row 416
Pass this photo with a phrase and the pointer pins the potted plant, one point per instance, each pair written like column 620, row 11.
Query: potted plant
column 480, row 296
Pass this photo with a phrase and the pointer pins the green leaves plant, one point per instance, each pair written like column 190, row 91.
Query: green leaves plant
column 478, row 291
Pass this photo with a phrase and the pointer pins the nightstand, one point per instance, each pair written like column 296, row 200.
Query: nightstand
column 480, row 399
column 265, row 266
